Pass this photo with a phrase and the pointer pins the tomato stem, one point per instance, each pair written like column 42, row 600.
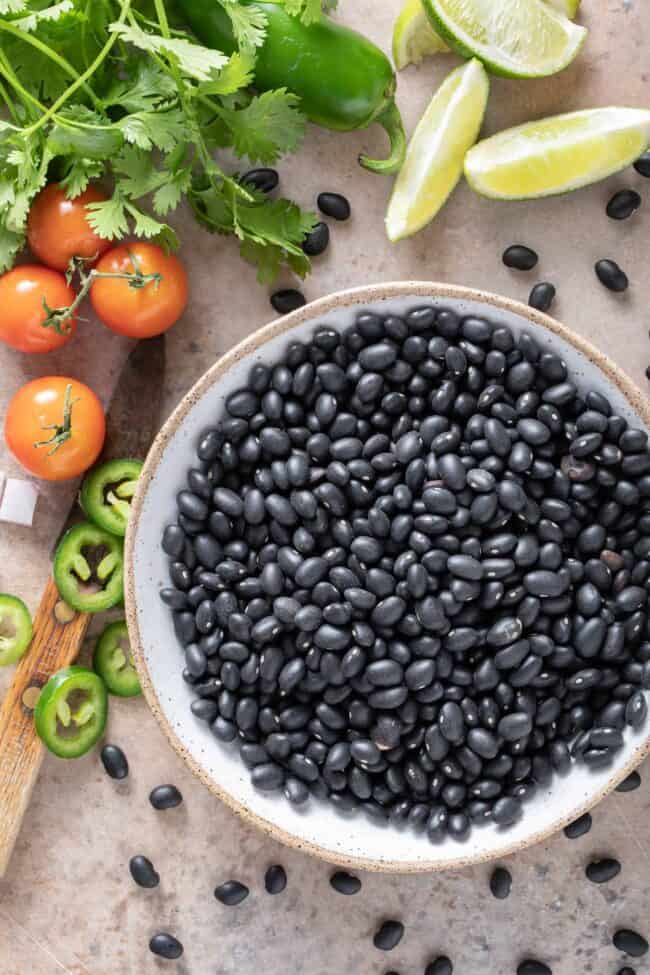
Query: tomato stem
column 61, row 432
column 57, row 317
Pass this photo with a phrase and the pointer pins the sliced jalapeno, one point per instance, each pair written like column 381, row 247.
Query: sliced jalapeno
column 88, row 568
column 70, row 715
column 15, row 629
column 107, row 492
column 113, row 661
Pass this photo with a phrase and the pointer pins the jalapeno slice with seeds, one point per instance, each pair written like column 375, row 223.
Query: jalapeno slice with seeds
column 113, row 661
column 70, row 715
column 88, row 568
column 107, row 492
column 15, row 629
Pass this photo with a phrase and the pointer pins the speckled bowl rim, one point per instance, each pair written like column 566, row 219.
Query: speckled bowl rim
column 311, row 312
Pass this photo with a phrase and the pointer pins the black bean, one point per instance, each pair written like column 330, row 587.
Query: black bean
column 611, row 276
column 114, row 761
column 631, row 942
column 389, row 935
column 439, row 966
column 520, row 257
column 231, row 893
column 602, row 871
column 287, row 300
column 623, row 204
column 629, row 784
column 166, row 946
column 333, row 205
column 636, row 710
column 275, row 879
column 316, row 241
column 263, row 179
column 542, row 296
column 579, row 827
column 345, row 883
column 500, row 883
column 531, row 966
column 143, row 872
column 165, row 797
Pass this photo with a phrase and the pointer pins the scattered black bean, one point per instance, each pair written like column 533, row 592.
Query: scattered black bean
column 602, row 871
column 231, row 893
column 578, row 827
column 626, row 970
column 316, row 240
column 542, row 296
column 334, row 205
column 642, row 165
column 165, row 797
column 345, row 883
column 623, row 204
column 143, row 872
column 275, row 879
column 530, row 966
column 287, row 299
column 610, row 274
column 263, row 179
column 439, row 966
column 631, row 942
column 114, row 761
column 629, row 784
column 389, row 935
column 166, row 946
column 520, row 257
column 500, row 883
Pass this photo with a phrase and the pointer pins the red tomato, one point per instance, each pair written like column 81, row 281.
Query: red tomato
column 23, row 292
column 145, row 310
column 55, row 427
column 58, row 228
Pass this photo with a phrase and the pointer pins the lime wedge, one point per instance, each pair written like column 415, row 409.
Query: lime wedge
column 434, row 158
column 567, row 7
column 557, row 154
column 516, row 38
column 413, row 36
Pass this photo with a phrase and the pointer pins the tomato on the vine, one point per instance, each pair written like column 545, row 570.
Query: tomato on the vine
column 147, row 297
column 55, row 427
column 28, row 293
column 58, row 228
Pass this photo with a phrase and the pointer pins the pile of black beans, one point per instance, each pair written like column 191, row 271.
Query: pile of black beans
column 411, row 571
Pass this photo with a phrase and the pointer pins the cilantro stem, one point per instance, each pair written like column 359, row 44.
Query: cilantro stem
column 11, row 108
column 49, row 52
column 8, row 73
column 83, row 78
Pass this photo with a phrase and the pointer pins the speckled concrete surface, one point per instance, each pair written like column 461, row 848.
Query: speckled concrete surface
column 67, row 904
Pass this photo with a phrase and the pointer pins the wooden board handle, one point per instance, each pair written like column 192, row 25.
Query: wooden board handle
column 54, row 645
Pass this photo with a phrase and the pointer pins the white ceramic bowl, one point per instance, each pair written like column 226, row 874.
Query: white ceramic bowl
column 318, row 828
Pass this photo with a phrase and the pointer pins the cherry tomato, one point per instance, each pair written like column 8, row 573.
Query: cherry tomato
column 58, row 228
column 55, row 427
column 24, row 293
column 144, row 310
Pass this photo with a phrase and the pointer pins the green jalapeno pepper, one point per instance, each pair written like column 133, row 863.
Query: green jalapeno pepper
column 15, row 629
column 107, row 491
column 88, row 567
column 113, row 661
column 343, row 80
column 70, row 714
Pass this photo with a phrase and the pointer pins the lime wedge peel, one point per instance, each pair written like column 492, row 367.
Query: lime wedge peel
column 515, row 38
column 557, row 154
column 434, row 158
column 567, row 7
column 413, row 36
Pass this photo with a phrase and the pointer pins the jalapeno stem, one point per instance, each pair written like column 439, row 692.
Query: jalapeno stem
column 390, row 120
column 61, row 432
column 59, row 318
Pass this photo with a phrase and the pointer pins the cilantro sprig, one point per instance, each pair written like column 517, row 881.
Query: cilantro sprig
column 109, row 90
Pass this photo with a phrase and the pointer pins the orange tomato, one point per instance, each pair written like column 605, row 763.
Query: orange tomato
column 24, row 292
column 58, row 228
column 145, row 310
column 55, row 427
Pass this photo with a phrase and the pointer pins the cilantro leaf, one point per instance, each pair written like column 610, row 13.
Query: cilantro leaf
column 11, row 6
column 308, row 11
column 79, row 174
column 11, row 243
column 236, row 74
column 170, row 194
column 248, row 23
column 160, row 129
column 108, row 218
column 143, row 91
column 270, row 125
column 136, row 172
column 36, row 17
column 83, row 132
column 193, row 59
